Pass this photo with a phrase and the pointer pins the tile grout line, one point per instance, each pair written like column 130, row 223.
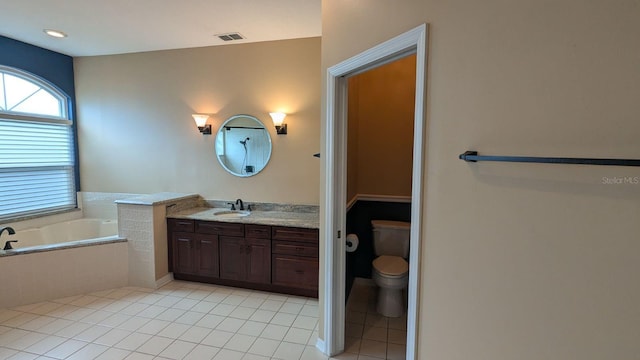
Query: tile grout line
column 298, row 314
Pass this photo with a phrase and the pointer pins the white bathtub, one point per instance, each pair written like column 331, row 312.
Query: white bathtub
column 65, row 234
column 63, row 259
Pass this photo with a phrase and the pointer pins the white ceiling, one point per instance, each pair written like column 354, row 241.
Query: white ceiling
column 101, row 27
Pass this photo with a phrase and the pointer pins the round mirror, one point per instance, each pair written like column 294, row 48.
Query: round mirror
column 243, row 145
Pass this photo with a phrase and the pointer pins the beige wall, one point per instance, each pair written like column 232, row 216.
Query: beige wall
column 521, row 261
column 137, row 135
column 381, row 111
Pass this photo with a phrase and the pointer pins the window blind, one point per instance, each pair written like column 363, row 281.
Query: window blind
column 36, row 167
column 37, row 161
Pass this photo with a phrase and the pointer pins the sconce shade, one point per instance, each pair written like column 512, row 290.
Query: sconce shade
column 278, row 119
column 200, row 119
column 201, row 122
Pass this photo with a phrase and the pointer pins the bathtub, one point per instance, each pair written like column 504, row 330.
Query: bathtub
column 80, row 232
column 62, row 259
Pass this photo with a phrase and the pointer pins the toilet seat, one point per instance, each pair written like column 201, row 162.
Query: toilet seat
column 391, row 266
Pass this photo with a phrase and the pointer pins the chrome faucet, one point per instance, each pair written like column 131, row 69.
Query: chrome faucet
column 10, row 231
column 241, row 204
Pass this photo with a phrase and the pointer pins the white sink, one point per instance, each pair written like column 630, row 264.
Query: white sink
column 232, row 213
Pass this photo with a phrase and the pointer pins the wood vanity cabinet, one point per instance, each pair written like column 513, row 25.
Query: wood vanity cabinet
column 247, row 259
column 195, row 254
column 262, row 257
column 295, row 258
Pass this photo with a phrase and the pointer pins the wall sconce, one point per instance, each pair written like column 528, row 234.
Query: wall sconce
column 201, row 122
column 278, row 118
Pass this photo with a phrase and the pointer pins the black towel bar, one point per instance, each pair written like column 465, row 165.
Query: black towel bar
column 472, row 156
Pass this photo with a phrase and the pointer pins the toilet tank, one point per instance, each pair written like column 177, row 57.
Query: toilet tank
column 391, row 237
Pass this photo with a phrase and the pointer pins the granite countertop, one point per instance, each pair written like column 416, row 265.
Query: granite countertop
column 301, row 219
column 156, row 199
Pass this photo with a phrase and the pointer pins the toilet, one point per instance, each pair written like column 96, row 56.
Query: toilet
column 390, row 268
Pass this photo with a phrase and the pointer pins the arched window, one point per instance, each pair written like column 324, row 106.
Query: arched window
column 37, row 161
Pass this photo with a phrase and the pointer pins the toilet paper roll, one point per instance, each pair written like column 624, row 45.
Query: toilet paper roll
column 352, row 242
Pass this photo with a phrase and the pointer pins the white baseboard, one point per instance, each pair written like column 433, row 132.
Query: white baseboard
column 320, row 345
column 164, row 280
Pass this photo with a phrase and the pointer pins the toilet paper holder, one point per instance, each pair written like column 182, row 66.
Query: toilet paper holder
column 352, row 242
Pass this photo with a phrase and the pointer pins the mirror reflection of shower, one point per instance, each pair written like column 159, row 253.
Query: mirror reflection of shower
column 245, row 168
column 243, row 146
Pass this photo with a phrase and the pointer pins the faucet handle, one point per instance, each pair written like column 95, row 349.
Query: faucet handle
column 233, row 206
column 7, row 245
column 248, row 207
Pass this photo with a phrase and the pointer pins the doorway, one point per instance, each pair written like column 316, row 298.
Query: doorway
column 335, row 165
column 379, row 168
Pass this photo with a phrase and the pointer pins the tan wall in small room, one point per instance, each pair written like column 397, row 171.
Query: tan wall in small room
column 520, row 261
column 381, row 115
column 136, row 133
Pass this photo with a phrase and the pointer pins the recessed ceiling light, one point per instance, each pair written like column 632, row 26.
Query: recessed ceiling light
column 55, row 33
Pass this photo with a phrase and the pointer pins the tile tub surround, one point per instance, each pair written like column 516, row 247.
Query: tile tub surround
column 95, row 205
column 74, row 233
column 101, row 204
column 62, row 246
column 163, row 198
column 142, row 220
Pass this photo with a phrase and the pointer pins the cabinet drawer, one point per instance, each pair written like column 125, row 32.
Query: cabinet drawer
column 294, row 234
column 292, row 248
column 183, row 225
column 220, row 228
column 257, row 231
column 295, row 272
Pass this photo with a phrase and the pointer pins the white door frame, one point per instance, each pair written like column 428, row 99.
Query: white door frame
column 334, row 161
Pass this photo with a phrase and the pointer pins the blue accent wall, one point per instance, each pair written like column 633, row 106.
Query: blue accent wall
column 54, row 67
column 49, row 65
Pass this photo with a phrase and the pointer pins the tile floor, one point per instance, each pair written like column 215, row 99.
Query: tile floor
column 369, row 335
column 184, row 320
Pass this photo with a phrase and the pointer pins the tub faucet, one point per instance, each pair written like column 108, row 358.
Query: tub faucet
column 10, row 231
column 241, row 204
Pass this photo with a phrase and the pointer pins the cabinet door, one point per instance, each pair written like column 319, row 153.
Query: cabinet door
column 295, row 271
column 233, row 264
column 258, row 260
column 183, row 253
column 207, row 255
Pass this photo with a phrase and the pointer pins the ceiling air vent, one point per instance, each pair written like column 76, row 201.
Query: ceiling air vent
column 230, row 36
